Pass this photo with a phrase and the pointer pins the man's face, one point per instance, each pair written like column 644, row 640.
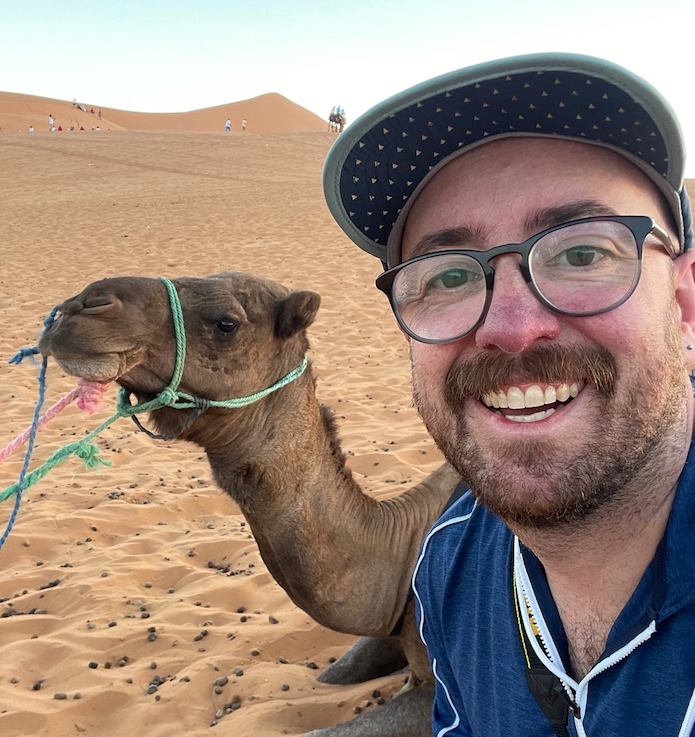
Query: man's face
column 586, row 443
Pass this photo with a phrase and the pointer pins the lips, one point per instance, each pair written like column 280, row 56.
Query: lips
column 515, row 403
column 105, row 368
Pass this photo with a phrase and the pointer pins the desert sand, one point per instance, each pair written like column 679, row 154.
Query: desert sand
column 142, row 574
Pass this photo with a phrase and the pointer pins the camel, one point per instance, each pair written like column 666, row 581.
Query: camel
column 278, row 458
column 336, row 122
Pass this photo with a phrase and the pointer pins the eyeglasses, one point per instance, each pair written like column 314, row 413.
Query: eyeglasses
column 581, row 268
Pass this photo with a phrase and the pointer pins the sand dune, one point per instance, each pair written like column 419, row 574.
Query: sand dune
column 270, row 113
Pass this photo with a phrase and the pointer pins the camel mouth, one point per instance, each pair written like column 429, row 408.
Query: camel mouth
column 102, row 369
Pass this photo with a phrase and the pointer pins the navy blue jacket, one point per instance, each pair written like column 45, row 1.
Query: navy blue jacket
column 643, row 684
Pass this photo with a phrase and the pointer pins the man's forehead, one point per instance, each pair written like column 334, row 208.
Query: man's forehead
column 480, row 237
column 531, row 160
column 528, row 184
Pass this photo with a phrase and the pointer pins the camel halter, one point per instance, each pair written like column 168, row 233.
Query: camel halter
column 168, row 397
column 172, row 397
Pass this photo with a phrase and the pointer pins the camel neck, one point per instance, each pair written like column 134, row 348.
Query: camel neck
column 316, row 530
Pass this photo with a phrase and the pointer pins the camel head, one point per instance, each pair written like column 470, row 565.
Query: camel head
column 242, row 332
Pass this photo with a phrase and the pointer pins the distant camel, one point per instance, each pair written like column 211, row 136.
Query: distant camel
column 343, row 557
column 336, row 122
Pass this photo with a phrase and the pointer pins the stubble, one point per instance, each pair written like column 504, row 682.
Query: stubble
column 637, row 415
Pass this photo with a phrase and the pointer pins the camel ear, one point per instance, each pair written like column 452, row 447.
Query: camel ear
column 296, row 313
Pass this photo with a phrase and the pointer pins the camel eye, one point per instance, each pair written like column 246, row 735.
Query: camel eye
column 227, row 326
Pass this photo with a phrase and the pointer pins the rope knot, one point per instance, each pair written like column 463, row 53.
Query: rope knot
column 90, row 395
column 168, row 397
column 89, row 453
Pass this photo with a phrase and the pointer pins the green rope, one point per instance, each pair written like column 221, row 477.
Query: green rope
column 82, row 449
column 168, row 397
column 180, row 400
column 180, row 333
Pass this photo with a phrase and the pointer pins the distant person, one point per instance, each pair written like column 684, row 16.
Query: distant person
column 228, row 125
column 99, row 113
column 51, row 123
column 243, row 125
column 31, row 129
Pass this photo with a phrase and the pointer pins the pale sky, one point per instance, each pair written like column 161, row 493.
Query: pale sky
column 180, row 55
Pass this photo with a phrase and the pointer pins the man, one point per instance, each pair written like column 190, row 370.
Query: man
column 531, row 216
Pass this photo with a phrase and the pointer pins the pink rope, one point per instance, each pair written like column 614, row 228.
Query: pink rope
column 88, row 395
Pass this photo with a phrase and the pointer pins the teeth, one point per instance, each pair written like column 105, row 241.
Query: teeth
column 534, row 396
column 563, row 393
column 532, row 418
column 515, row 397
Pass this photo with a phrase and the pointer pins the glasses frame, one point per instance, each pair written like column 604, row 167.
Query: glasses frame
column 640, row 226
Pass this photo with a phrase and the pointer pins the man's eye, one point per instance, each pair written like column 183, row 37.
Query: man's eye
column 579, row 256
column 452, row 278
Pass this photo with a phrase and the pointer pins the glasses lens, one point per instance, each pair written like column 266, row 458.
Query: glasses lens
column 440, row 297
column 585, row 267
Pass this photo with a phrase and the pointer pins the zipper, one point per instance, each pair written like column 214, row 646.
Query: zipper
column 577, row 692
column 611, row 660
column 542, row 641
column 689, row 720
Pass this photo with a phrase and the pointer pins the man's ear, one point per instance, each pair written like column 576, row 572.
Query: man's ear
column 684, row 278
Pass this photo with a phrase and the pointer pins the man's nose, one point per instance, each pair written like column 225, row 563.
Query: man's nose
column 516, row 319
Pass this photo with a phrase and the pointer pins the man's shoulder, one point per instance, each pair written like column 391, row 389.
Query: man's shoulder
column 466, row 556
column 465, row 529
column 466, row 515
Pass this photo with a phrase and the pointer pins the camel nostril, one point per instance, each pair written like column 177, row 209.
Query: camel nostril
column 95, row 305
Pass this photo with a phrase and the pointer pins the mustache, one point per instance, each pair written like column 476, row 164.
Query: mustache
column 489, row 372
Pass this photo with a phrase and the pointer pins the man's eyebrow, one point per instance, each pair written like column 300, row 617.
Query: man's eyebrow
column 465, row 236
column 549, row 217
column 460, row 237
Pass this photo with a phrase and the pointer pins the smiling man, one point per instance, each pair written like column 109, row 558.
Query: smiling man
column 537, row 239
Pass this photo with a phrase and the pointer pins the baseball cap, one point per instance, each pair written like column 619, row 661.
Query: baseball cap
column 379, row 164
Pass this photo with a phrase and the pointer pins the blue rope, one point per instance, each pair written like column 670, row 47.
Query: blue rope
column 34, row 425
column 168, row 397
column 23, row 353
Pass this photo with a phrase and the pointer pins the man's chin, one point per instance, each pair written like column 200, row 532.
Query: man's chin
column 521, row 496
column 527, row 484
column 532, row 510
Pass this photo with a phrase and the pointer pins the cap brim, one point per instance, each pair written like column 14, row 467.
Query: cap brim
column 380, row 161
